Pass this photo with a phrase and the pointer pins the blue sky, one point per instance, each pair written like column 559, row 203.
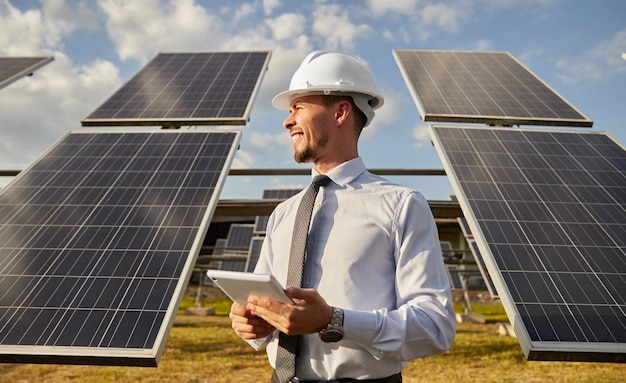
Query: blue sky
column 575, row 46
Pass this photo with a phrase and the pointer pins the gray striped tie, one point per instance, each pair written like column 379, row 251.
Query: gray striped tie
column 288, row 346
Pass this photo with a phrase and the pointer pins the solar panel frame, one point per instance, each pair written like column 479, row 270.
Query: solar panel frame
column 76, row 190
column 174, row 82
column 493, row 88
column 14, row 68
column 537, row 330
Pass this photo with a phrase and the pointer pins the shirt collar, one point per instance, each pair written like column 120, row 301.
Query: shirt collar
column 346, row 172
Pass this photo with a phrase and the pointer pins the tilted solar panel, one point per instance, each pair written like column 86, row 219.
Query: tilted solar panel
column 548, row 212
column 480, row 263
column 98, row 239
column 261, row 221
column 279, row 193
column 237, row 246
column 176, row 89
column 14, row 68
column 239, row 236
column 483, row 87
column 456, row 282
column 254, row 254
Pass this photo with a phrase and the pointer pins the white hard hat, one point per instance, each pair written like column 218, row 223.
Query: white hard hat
column 331, row 72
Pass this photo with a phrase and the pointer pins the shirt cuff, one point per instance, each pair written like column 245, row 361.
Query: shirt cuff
column 258, row 344
column 360, row 327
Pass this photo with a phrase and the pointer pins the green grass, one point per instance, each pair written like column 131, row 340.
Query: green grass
column 205, row 349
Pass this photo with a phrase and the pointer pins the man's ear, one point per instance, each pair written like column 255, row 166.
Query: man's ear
column 342, row 111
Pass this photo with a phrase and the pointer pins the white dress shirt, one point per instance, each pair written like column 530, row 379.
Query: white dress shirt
column 374, row 251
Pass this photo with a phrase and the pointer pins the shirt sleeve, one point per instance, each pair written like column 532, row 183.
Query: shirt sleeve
column 423, row 322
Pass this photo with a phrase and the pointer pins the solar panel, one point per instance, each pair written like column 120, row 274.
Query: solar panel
column 14, row 68
column 176, row 89
column 446, row 249
column 260, row 224
column 254, row 254
column 465, row 229
column 456, row 283
column 261, row 221
column 98, row 239
column 548, row 212
column 218, row 250
column 237, row 245
column 482, row 87
column 480, row 263
column 280, row 193
column 239, row 236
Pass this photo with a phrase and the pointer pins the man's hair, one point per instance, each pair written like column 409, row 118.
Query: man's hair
column 359, row 116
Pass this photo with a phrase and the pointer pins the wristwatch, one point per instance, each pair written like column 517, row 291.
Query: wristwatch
column 333, row 332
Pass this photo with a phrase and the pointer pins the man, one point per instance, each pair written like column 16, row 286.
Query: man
column 374, row 290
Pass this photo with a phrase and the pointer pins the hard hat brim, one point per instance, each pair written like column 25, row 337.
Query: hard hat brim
column 282, row 101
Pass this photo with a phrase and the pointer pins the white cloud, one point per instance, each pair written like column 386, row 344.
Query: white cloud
column 286, row 26
column 140, row 29
column 387, row 115
column 246, row 10
column 609, row 52
column 332, row 23
column 405, row 7
column 529, row 54
column 443, row 16
column 59, row 17
column 35, row 111
column 601, row 62
column 35, row 30
column 261, row 146
column 21, row 31
column 421, row 135
column 483, row 45
column 270, row 5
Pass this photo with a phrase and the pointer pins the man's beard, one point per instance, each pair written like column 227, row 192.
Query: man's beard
column 305, row 155
column 308, row 154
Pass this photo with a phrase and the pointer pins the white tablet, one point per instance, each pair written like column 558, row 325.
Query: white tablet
column 239, row 285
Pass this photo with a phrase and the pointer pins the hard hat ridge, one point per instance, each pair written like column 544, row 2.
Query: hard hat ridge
column 332, row 72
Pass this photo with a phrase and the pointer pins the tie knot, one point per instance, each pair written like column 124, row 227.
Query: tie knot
column 320, row 180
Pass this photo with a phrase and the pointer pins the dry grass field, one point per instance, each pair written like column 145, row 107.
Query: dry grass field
column 205, row 349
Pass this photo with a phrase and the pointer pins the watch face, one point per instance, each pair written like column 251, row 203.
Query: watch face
column 331, row 335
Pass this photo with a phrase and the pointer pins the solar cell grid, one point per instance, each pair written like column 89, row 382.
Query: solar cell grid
column 482, row 87
column 97, row 240
column 551, row 229
column 214, row 88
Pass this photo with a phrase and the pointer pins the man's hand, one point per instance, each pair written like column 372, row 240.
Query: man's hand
column 308, row 315
column 247, row 325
